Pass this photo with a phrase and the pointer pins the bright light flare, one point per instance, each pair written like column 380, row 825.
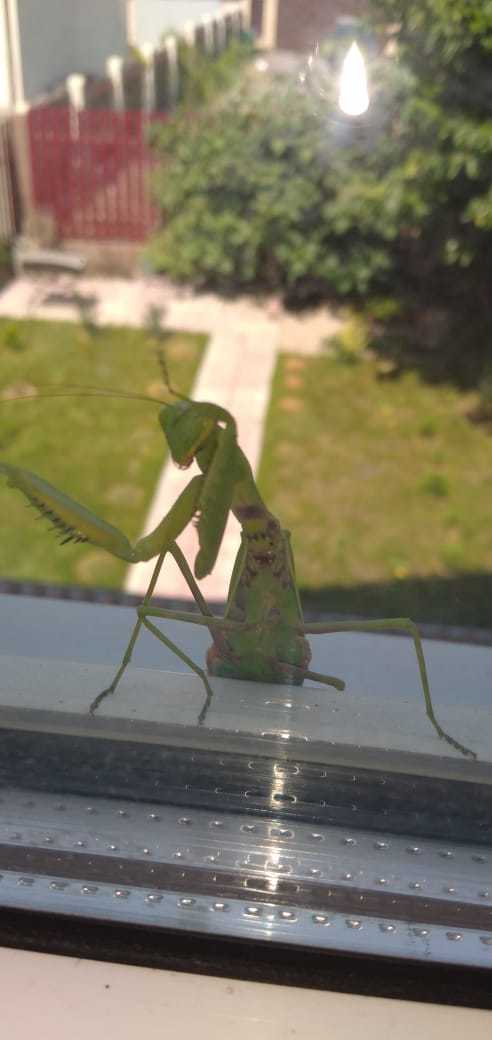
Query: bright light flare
column 353, row 98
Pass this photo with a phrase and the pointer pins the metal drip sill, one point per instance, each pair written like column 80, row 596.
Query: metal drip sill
column 247, row 877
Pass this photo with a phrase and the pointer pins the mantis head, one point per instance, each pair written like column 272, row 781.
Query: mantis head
column 187, row 428
column 208, row 433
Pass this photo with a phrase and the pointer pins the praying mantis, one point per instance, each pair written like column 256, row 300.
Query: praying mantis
column 262, row 635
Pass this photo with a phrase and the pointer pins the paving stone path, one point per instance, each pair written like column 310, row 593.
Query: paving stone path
column 244, row 339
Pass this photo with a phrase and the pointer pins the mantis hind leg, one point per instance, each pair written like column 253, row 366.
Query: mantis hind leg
column 183, row 657
column 401, row 625
column 127, row 656
column 210, row 621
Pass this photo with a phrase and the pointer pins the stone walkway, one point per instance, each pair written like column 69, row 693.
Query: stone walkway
column 245, row 337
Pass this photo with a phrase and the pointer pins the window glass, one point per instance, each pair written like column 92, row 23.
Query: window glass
column 246, row 392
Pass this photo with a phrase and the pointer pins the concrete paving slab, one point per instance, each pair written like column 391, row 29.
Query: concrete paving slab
column 128, row 302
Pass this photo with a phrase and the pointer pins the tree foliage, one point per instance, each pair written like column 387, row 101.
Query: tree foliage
column 267, row 191
column 249, row 199
column 203, row 76
column 440, row 147
column 446, row 122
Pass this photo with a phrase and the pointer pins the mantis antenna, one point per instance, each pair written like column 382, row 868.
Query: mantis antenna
column 153, row 325
column 86, row 391
column 162, row 363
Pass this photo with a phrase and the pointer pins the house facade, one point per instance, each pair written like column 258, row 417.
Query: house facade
column 298, row 25
column 150, row 20
column 43, row 41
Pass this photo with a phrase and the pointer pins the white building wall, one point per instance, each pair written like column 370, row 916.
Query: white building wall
column 151, row 19
column 101, row 31
column 5, row 90
column 59, row 37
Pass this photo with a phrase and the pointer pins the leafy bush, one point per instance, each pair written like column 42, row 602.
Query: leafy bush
column 250, row 200
column 266, row 192
column 428, row 428
column 436, row 171
column 203, row 76
column 435, row 484
column 5, row 261
column 11, row 337
column 481, row 412
column 350, row 344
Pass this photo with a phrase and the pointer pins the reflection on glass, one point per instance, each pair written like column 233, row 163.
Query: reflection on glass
column 353, row 98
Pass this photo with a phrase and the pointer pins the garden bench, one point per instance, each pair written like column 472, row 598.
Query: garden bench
column 58, row 271
column 47, row 260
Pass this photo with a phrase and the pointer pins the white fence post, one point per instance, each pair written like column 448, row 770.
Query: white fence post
column 76, row 95
column 131, row 22
column 237, row 19
column 114, row 69
column 208, row 33
column 189, row 33
column 269, row 25
column 247, row 13
column 171, row 48
column 148, row 54
column 221, row 31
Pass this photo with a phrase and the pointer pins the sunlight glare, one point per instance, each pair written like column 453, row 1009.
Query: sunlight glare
column 353, row 98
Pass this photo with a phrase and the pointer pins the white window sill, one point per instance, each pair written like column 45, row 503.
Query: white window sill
column 64, row 997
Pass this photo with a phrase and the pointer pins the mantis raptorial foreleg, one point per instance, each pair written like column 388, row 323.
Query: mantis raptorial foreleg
column 398, row 625
column 73, row 522
column 76, row 523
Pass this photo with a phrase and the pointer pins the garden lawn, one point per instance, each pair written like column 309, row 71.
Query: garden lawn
column 391, row 504
column 105, row 453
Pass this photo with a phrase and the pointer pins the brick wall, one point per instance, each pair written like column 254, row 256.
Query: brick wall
column 302, row 23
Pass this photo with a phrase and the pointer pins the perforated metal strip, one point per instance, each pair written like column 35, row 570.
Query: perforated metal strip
column 247, row 876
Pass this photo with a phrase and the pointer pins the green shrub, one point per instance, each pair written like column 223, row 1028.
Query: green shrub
column 349, row 345
column 203, row 76
column 12, row 338
column 260, row 193
column 252, row 198
column 5, row 261
column 382, row 308
column 428, row 427
column 453, row 556
column 483, row 410
column 435, row 484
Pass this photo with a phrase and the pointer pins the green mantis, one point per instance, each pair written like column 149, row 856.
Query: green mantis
column 262, row 635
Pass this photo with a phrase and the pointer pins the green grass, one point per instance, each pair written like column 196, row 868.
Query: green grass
column 391, row 505
column 105, row 453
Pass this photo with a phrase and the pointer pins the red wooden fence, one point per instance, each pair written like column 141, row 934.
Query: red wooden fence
column 90, row 171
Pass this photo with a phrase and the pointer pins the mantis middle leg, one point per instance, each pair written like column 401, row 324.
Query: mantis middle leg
column 127, row 656
column 396, row 625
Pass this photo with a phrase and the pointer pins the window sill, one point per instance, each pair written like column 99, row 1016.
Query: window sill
column 294, row 816
column 78, row 999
